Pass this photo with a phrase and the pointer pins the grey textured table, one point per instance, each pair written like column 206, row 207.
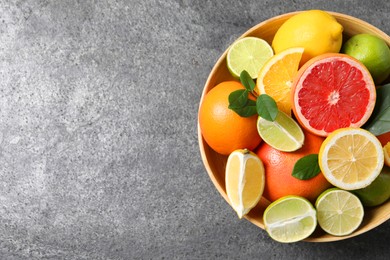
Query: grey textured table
column 98, row 140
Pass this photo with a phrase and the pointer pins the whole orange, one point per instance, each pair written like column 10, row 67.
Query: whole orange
column 222, row 128
column 279, row 166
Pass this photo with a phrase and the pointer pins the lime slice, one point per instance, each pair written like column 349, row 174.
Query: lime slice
column 283, row 134
column 339, row 212
column 290, row 219
column 244, row 180
column 248, row 53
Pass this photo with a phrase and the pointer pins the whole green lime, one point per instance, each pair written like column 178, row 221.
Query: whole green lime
column 377, row 192
column 373, row 52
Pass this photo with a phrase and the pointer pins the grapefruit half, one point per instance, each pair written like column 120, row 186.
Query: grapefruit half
column 333, row 91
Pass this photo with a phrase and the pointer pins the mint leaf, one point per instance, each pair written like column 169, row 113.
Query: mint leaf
column 248, row 110
column 307, row 167
column 379, row 122
column 247, row 81
column 266, row 107
column 238, row 99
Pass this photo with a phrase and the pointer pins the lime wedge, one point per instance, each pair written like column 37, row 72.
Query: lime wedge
column 339, row 212
column 248, row 53
column 290, row 219
column 283, row 134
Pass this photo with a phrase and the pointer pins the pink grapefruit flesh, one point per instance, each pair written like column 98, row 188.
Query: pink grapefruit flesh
column 332, row 91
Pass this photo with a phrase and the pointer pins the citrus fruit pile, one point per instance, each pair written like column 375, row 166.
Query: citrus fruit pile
column 305, row 125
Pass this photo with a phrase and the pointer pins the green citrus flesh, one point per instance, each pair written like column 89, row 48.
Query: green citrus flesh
column 290, row 219
column 248, row 53
column 283, row 134
column 373, row 52
column 339, row 212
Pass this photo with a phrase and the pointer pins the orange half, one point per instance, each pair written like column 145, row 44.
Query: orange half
column 277, row 75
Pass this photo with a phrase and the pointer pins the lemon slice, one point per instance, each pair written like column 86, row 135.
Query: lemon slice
column 339, row 212
column 248, row 53
column 277, row 75
column 244, row 179
column 290, row 219
column 351, row 158
column 283, row 134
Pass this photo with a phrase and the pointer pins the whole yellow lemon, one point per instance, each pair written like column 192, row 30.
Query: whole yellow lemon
column 316, row 31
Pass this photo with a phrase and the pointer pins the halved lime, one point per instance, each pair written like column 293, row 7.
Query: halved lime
column 248, row 53
column 290, row 219
column 339, row 212
column 283, row 134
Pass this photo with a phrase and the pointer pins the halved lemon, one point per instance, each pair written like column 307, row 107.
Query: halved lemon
column 351, row 158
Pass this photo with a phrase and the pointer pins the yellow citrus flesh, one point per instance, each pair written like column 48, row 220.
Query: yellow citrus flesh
column 386, row 151
column 244, row 179
column 277, row 75
column 316, row 31
column 351, row 158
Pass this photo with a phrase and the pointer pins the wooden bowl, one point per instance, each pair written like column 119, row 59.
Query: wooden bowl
column 215, row 163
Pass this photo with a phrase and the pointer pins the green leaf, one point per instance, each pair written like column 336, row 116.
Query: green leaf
column 238, row 99
column 379, row 122
column 266, row 107
column 307, row 167
column 247, row 81
column 248, row 110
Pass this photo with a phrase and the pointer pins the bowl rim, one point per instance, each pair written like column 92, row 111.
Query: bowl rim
column 207, row 88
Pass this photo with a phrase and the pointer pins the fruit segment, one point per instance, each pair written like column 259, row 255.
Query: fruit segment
column 290, row 219
column 283, row 134
column 244, row 179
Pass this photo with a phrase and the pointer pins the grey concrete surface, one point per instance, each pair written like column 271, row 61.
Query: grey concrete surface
column 98, row 141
